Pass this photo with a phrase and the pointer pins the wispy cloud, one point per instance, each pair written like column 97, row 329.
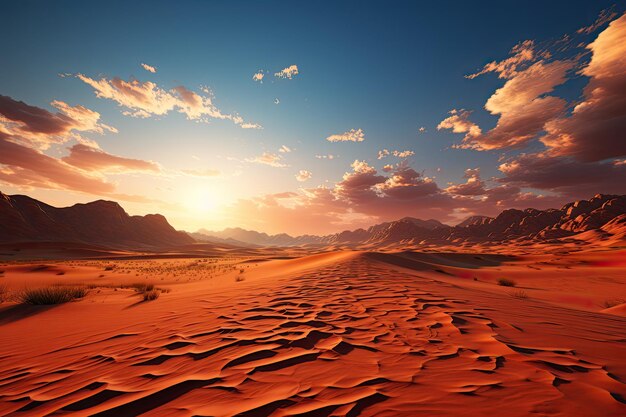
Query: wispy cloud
column 287, row 73
column 42, row 128
column 353, row 135
column 148, row 68
column 303, row 175
column 258, row 76
column 146, row 99
column 459, row 122
column 268, row 158
column 94, row 159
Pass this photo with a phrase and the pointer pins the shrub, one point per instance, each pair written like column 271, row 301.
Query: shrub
column 151, row 295
column 506, row 282
column 52, row 295
column 240, row 278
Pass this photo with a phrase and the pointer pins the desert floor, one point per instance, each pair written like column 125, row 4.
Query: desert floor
column 330, row 334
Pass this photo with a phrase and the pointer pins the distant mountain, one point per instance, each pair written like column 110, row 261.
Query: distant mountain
column 475, row 220
column 601, row 218
column 258, row 238
column 24, row 219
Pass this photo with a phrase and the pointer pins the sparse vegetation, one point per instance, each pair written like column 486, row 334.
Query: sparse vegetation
column 507, row 282
column 152, row 294
column 55, row 294
column 3, row 293
column 520, row 294
column 240, row 278
column 613, row 302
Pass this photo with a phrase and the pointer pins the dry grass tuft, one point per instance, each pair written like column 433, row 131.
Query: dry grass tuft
column 56, row 294
column 520, row 294
column 151, row 294
column 506, row 282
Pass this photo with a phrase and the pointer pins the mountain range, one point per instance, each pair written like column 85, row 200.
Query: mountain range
column 24, row 219
column 599, row 219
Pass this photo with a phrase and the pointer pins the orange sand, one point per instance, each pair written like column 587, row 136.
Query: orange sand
column 340, row 333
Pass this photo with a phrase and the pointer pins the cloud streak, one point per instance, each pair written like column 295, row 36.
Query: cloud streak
column 147, row 99
column 352, row 135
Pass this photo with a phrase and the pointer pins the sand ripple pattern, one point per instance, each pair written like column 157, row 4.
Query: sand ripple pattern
column 353, row 338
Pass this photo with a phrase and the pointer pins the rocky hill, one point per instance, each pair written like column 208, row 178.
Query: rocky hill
column 24, row 219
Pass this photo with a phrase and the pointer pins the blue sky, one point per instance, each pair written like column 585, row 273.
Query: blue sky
column 387, row 68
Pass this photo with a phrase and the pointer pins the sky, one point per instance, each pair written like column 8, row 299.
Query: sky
column 313, row 117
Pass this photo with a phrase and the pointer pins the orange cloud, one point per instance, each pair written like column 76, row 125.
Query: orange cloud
column 353, row 135
column 459, row 122
column 303, row 175
column 288, row 73
column 94, row 159
column 145, row 99
column 521, row 53
column 40, row 127
column 472, row 187
column 258, row 76
column 148, row 68
column 268, row 158
column 24, row 166
column 595, row 129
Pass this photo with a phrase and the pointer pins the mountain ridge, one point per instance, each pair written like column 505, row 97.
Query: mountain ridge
column 23, row 218
column 604, row 213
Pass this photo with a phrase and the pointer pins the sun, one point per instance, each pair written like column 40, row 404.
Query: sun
column 201, row 201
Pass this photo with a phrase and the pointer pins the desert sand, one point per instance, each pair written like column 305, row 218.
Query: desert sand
column 327, row 334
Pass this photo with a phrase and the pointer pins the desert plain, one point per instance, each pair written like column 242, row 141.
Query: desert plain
column 535, row 331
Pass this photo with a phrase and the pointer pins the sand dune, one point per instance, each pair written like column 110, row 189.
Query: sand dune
column 340, row 333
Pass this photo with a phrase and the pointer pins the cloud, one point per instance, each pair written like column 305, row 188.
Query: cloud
column 459, row 122
column 564, row 175
column 383, row 154
column 388, row 168
column 42, row 128
column 523, row 107
column 605, row 16
column 521, row 53
column 288, row 73
column 24, row 166
column 329, row 156
column 595, row 129
column 147, row 99
column 268, row 158
column 284, row 149
column 364, row 197
column 422, row 129
column 93, row 159
column 527, row 111
column 258, row 76
column 303, row 175
column 474, row 185
column 276, row 101
column 148, row 68
column 403, row 154
column 353, row 135
column 399, row 154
